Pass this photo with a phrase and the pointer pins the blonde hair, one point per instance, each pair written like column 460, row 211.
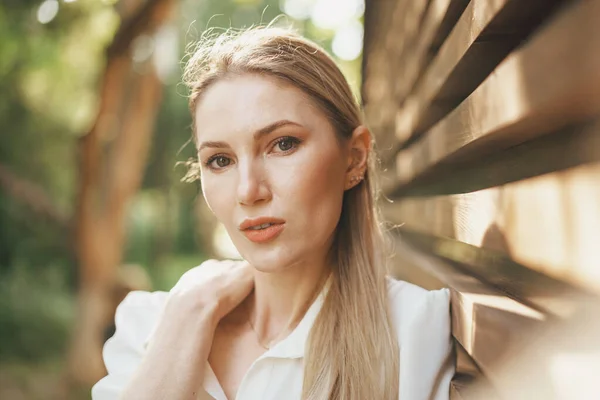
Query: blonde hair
column 352, row 351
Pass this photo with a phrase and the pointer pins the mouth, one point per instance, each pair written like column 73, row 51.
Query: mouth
column 261, row 226
column 262, row 230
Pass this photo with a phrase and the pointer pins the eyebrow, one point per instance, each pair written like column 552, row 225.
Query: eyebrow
column 257, row 135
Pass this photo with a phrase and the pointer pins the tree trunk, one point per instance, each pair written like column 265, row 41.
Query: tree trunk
column 112, row 161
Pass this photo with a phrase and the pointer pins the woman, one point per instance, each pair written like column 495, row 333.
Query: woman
column 286, row 166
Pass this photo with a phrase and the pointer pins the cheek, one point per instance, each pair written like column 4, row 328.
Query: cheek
column 317, row 189
column 321, row 181
column 217, row 194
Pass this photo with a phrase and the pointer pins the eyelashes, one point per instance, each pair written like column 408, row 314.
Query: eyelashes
column 290, row 142
column 218, row 159
column 281, row 146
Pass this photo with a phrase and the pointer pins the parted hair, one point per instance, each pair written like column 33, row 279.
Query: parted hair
column 352, row 350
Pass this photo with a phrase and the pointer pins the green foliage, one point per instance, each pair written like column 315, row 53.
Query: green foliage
column 48, row 76
column 36, row 312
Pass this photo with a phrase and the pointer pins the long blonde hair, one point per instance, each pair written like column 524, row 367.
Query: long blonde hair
column 352, row 351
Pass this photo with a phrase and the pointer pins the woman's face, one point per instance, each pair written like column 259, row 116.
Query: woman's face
column 273, row 170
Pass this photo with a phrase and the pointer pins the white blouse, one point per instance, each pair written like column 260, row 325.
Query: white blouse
column 421, row 319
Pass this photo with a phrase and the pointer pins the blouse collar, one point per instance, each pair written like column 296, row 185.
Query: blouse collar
column 291, row 347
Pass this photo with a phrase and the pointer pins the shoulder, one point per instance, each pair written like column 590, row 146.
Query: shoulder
column 411, row 303
column 137, row 315
column 135, row 319
column 421, row 319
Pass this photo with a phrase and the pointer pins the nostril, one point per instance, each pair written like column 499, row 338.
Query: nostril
column 252, row 189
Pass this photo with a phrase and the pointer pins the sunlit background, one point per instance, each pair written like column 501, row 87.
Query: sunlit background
column 52, row 58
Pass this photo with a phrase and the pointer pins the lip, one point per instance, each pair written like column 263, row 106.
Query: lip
column 250, row 222
column 262, row 235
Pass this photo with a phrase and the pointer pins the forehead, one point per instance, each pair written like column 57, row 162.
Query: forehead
column 246, row 103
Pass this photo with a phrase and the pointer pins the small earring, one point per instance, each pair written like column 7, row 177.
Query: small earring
column 356, row 178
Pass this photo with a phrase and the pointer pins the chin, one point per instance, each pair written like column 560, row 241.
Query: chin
column 269, row 260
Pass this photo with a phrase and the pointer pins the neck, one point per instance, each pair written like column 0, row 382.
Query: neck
column 280, row 299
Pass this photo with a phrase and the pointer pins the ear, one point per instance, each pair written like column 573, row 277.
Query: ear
column 358, row 156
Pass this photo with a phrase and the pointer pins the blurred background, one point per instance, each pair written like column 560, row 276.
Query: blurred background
column 93, row 121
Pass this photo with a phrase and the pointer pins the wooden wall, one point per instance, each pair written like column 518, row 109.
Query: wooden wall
column 487, row 118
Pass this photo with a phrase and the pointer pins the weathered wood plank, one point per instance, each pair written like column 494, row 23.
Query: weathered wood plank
column 465, row 365
column 550, row 223
column 458, row 387
column 487, row 163
column 417, row 56
column 461, row 388
column 411, row 30
column 409, row 22
column 405, row 269
column 485, row 33
column 552, row 81
column 497, row 269
column 453, row 13
column 485, row 322
column 383, row 43
column 559, row 362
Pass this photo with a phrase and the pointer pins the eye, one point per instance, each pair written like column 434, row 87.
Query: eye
column 285, row 144
column 218, row 162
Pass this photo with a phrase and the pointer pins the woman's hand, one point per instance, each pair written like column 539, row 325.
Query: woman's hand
column 173, row 367
column 214, row 286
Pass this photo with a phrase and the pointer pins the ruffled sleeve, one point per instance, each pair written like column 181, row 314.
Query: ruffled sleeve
column 135, row 320
column 422, row 322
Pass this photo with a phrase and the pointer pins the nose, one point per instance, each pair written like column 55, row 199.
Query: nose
column 252, row 187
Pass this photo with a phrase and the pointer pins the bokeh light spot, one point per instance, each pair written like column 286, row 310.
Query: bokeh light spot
column 47, row 11
column 348, row 41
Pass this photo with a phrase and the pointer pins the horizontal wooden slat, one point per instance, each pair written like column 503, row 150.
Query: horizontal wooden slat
column 452, row 14
column 467, row 376
column 528, row 286
column 551, row 82
column 559, row 362
column 465, row 365
column 458, row 387
column 550, row 223
column 383, row 42
column 437, row 22
column 408, row 31
column 486, row 32
column 461, row 388
column 408, row 27
column 405, row 269
column 485, row 322
column 479, row 167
